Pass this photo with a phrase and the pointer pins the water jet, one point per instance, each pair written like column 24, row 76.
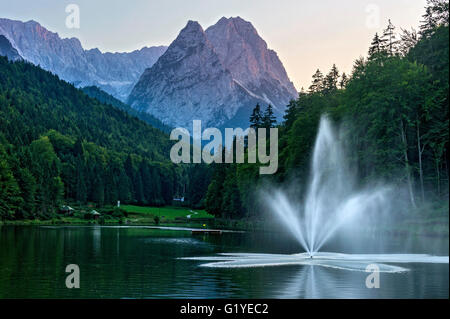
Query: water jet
column 332, row 201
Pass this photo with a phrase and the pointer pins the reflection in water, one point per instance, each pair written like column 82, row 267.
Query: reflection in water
column 118, row 242
column 136, row 262
column 181, row 241
column 96, row 240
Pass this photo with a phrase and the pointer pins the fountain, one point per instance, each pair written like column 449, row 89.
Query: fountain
column 332, row 202
column 332, row 198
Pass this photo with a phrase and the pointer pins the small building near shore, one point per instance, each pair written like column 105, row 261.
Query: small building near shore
column 67, row 210
column 95, row 214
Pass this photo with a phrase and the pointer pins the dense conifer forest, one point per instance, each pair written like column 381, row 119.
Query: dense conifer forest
column 394, row 106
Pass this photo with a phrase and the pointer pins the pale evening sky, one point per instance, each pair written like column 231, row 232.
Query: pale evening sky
column 306, row 34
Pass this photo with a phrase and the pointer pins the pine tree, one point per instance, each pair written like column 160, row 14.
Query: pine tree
column 256, row 118
column 344, row 80
column 429, row 23
column 269, row 119
column 290, row 114
column 139, row 187
column 129, row 170
column 331, row 80
column 81, row 189
column 147, row 182
column 377, row 47
column 231, row 201
column 98, row 190
column 10, row 199
column 389, row 39
column 124, row 187
column 436, row 14
column 409, row 40
column 317, row 82
column 27, row 185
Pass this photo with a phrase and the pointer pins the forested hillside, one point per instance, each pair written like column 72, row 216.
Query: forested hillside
column 58, row 145
column 105, row 98
column 394, row 108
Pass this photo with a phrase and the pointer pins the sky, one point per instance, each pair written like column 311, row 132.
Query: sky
column 306, row 34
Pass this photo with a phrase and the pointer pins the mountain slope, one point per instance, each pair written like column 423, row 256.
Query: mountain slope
column 105, row 98
column 246, row 55
column 59, row 145
column 6, row 49
column 216, row 76
column 115, row 73
column 39, row 101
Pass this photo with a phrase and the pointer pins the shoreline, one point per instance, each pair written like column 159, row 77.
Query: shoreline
column 420, row 229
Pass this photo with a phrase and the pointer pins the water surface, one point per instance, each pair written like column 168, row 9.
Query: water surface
column 138, row 262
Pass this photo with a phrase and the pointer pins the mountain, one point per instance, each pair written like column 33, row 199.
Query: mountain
column 246, row 55
column 188, row 82
column 115, row 73
column 6, row 49
column 217, row 76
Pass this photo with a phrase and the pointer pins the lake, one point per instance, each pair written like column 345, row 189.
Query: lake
column 140, row 262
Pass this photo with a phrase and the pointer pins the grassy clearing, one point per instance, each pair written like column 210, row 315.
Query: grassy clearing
column 165, row 212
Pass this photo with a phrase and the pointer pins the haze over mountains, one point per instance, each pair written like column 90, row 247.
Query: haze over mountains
column 217, row 75
column 115, row 73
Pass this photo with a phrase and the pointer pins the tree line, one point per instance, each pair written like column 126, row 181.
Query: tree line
column 393, row 106
column 58, row 145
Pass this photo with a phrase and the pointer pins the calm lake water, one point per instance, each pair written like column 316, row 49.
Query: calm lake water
column 138, row 262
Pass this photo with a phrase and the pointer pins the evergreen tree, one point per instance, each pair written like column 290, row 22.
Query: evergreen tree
column 409, row 40
column 344, row 80
column 27, row 185
column 231, row 201
column 256, row 118
column 317, row 82
column 98, row 192
column 436, row 14
column 377, row 47
column 269, row 119
column 10, row 199
column 331, row 80
column 389, row 39
column 290, row 114
column 81, row 189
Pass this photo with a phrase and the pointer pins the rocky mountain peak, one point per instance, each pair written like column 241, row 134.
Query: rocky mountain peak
column 217, row 76
column 246, row 55
column 190, row 39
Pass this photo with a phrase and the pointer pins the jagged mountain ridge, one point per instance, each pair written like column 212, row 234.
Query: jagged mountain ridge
column 115, row 73
column 217, row 75
column 179, row 86
column 246, row 55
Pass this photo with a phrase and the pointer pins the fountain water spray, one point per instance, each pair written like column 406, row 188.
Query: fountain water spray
column 332, row 202
column 332, row 199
